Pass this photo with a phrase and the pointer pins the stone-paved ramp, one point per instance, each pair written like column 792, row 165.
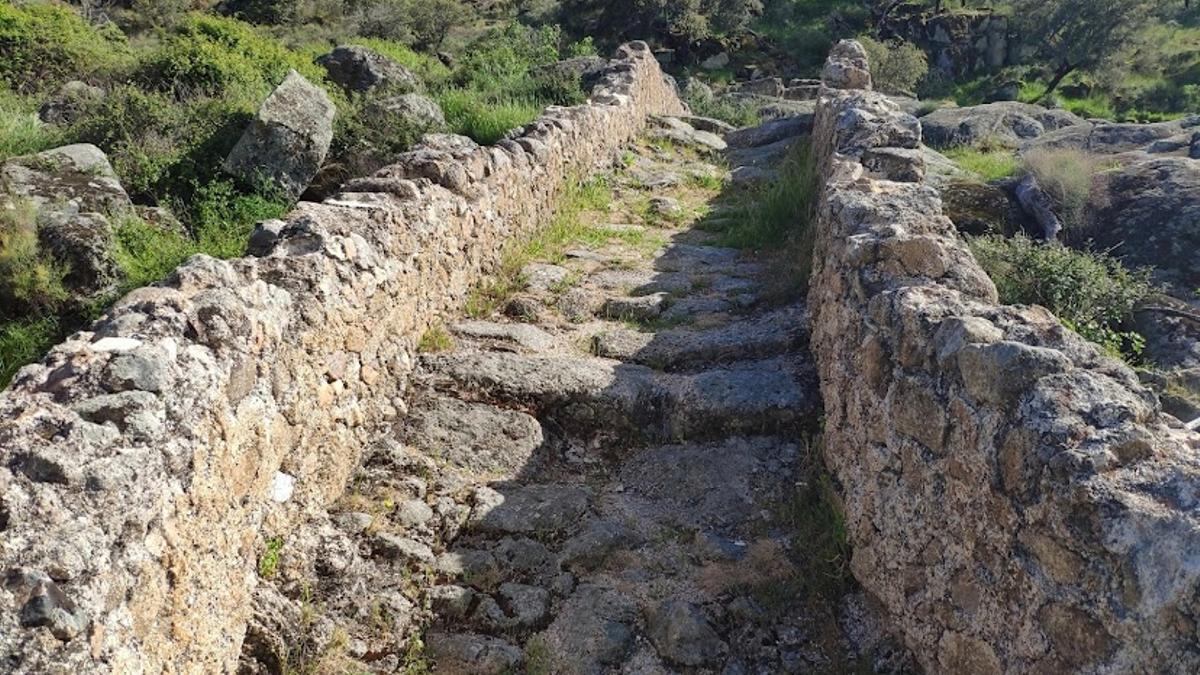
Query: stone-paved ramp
column 616, row 472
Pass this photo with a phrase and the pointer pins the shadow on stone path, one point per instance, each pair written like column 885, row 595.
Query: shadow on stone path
column 616, row 474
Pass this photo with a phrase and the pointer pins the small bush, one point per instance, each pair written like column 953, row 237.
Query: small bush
column 223, row 216
column 146, row 253
column 1066, row 176
column 44, row 44
column 896, row 67
column 1091, row 292
column 21, row 132
column 31, row 282
column 212, row 55
column 739, row 113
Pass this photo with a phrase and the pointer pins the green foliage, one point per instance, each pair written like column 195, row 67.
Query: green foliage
column 428, row 68
column 484, row 121
column 739, row 113
column 775, row 214
column 988, row 162
column 21, row 132
column 1074, row 34
column 146, row 253
column 682, row 21
column 896, row 67
column 498, row 87
column 565, row 228
column 212, row 55
column 1092, row 292
column 24, row 340
column 223, row 216
column 44, row 44
column 269, row 562
column 31, row 282
column 435, row 339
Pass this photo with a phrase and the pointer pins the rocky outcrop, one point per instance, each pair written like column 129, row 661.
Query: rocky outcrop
column 1111, row 138
column 1015, row 498
column 412, row 110
column 141, row 459
column 359, row 69
column 288, row 139
column 76, row 200
column 1007, row 122
column 1148, row 214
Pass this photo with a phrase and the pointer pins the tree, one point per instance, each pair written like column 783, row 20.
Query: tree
column 1073, row 34
column 681, row 21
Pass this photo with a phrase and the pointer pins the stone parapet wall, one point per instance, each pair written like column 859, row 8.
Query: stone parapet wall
column 140, row 457
column 1015, row 498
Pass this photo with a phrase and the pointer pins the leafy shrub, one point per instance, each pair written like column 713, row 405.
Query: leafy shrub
column 1091, row 292
column 31, row 282
column 429, row 69
column 212, row 55
column 896, row 67
column 21, row 132
column 44, row 44
column 1066, row 176
column 146, row 253
column 223, row 216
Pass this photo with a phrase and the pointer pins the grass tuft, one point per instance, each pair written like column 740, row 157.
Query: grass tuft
column 988, row 162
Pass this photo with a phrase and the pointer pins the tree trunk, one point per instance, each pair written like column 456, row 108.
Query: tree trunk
column 1063, row 71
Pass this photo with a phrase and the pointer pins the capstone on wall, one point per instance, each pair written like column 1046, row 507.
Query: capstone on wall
column 139, row 457
column 1014, row 497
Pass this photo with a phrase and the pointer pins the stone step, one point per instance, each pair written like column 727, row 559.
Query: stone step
column 587, row 394
column 476, row 437
column 676, row 349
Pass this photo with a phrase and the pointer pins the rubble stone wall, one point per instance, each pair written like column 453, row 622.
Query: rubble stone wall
column 1014, row 497
column 142, row 458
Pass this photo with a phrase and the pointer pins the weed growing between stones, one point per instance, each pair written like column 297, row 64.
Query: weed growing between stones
column 269, row 562
column 435, row 339
column 569, row 226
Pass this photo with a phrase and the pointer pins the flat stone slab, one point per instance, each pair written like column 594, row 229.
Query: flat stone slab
column 473, row 436
column 757, row 337
column 531, row 509
column 524, row 335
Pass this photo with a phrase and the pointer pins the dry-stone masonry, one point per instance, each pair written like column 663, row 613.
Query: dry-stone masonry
column 140, row 457
column 1015, row 498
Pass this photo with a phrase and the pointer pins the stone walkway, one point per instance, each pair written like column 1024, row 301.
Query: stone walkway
column 614, row 472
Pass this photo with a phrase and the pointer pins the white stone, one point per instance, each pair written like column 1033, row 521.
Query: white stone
column 116, row 344
column 282, row 487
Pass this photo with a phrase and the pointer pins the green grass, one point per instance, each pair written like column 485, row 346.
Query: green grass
column 770, row 216
column 988, row 163
column 435, row 339
column 21, row 132
column 269, row 562
column 549, row 243
column 469, row 113
column 23, row 341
